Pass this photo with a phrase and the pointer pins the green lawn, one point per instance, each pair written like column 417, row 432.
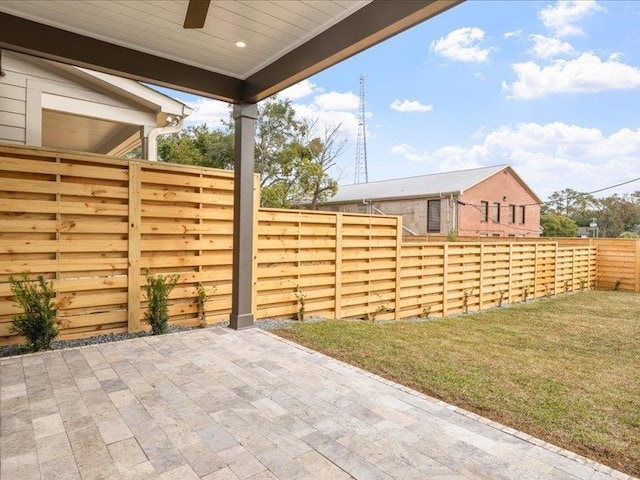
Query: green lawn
column 565, row 369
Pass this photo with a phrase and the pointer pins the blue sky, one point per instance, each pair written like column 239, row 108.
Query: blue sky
column 551, row 88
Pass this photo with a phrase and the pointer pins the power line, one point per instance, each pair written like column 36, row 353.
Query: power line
column 577, row 195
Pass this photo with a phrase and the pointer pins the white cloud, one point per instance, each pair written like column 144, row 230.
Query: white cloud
column 337, row 101
column 479, row 75
column 513, row 33
column 462, row 45
column 549, row 157
column 300, row 90
column 585, row 74
column 410, row 106
column 547, row 47
column 562, row 17
column 208, row 111
column 332, row 109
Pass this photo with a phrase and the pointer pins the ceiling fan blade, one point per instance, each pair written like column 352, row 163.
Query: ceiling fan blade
column 196, row 13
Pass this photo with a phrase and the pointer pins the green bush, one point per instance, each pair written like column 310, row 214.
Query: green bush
column 38, row 322
column 158, row 289
column 201, row 300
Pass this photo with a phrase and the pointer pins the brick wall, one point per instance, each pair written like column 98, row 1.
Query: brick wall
column 504, row 189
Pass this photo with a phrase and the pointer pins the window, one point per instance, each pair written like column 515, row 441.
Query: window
column 496, row 212
column 484, row 211
column 433, row 216
column 522, row 217
column 512, row 214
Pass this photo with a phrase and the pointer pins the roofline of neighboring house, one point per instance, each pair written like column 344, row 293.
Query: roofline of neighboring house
column 124, row 87
column 440, row 194
column 404, row 197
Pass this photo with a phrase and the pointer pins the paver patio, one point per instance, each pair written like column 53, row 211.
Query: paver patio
column 221, row 404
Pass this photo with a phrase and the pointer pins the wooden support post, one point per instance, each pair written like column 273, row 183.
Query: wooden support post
column 445, row 277
column 573, row 269
column 535, row 270
column 481, row 279
column 338, row 272
column 509, row 287
column 256, row 223
column 555, row 271
column 133, row 274
column 58, row 221
column 637, row 267
column 398, row 267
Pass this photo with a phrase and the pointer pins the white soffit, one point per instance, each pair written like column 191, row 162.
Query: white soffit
column 270, row 28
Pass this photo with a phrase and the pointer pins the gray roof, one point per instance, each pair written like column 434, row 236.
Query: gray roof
column 420, row 186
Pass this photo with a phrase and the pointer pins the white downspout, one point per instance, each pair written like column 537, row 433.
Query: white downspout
column 152, row 139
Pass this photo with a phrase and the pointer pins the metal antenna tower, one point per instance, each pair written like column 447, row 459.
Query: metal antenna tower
column 362, row 171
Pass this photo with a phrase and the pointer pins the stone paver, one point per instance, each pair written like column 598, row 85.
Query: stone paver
column 217, row 404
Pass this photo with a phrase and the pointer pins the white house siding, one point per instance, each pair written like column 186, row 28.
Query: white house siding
column 13, row 96
column 25, row 85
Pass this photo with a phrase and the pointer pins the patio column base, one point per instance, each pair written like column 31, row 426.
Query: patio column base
column 242, row 321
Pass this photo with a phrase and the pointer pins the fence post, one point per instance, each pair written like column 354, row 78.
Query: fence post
column 573, row 269
column 133, row 273
column 555, row 271
column 637, row 265
column 481, row 280
column 510, row 272
column 398, row 267
column 535, row 269
column 445, row 277
column 338, row 295
column 256, row 226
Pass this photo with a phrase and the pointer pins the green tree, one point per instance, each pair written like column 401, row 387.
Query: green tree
column 556, row 225
column 578, row 206
column 198, row 145
column 294, row 165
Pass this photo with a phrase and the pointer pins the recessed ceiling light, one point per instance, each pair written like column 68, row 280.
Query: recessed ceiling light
column 241, row 44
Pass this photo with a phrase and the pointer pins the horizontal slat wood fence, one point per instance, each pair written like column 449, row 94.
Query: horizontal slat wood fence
column 93, row 224
column 618, row 259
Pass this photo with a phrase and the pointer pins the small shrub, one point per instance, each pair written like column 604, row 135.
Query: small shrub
column 527, row 291
column 583, row 283
column 547, row 291
column 452, row 236
column 501, row 297
column 426, row 311
column 567, row 284
column 465, row 300
column 38, row 322
column 373, row 315
column 595, row 283
column 616, row 286
column 201, row 301
column 301, row 303
column 158, row 289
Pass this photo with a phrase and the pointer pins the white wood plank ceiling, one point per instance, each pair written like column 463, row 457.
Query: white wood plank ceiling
column 269, row 28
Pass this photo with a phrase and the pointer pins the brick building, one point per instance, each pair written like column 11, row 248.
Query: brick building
column 491, row 201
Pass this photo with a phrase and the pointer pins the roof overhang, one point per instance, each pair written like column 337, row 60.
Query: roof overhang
column 426, row 196
column 368, row 25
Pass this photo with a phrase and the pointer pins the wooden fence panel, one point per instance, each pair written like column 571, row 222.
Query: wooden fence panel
column 66, row 218
column 186, row 228
column 94, row 224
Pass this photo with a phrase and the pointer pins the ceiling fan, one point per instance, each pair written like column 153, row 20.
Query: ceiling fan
column 196, row 13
